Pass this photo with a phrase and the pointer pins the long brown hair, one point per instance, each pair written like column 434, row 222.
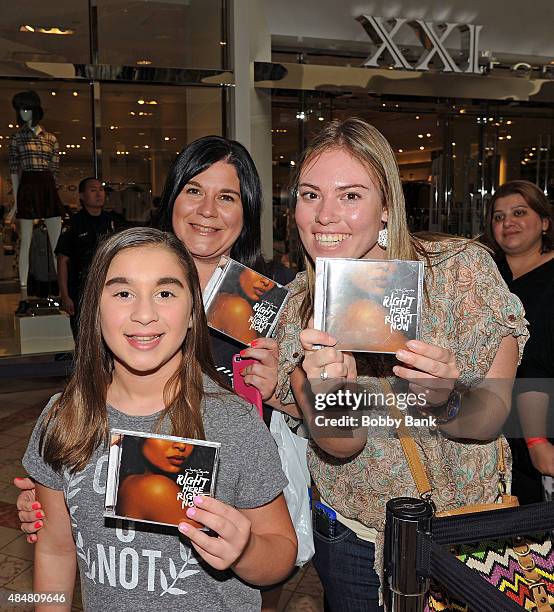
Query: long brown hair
column 77, row 424
column 366, row 144
column 535, row 199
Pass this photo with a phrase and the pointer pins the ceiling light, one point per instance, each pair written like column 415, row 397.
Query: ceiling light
column 292, row 162
column 501, row 138
column 417, row 117
column 45, row 30
column 141, row 101
column 132, row 113
column 52, row 93
column 509, row 122
column 420, row 135
column 152, row 102
column 421, row 148
column 509, row 137
column 146, row 147
column 166, row 137
column 321, row 118
column 453, row 144
column 222, row 43
column 462, row 111
column 10, row 125
column 143, row 62
column 75, row 93
column 83, row 137
column 401, row 150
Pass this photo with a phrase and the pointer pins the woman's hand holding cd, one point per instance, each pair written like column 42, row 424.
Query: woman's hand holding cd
column 262, row 375
column 429, row 369
column 325, row 363
column 232, row 527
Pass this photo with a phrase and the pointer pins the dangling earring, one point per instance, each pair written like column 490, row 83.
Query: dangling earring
column 383, row 238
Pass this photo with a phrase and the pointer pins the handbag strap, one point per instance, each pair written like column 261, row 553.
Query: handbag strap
column 408, row 446
column 413, row 459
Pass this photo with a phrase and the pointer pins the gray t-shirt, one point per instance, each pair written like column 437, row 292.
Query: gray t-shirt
column 134, row 566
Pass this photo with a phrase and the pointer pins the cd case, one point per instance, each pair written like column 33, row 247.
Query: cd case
column 242, row 303
column 371, row 306
column 154, row 478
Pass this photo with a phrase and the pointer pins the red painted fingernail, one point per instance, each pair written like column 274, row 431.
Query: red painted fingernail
column 35, row 506
column 253, row 343
column 39, row 514
column 38, row 524
column 241, row 353
column 20, row 477
column 191, row 511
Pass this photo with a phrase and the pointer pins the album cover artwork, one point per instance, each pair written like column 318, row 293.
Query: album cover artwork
column 154, row 478
column 372, row 306
column 241, row 303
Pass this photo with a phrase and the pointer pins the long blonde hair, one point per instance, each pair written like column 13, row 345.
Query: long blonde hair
column 366, row 144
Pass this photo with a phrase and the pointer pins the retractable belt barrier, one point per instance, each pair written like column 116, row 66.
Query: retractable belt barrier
column 416, row 550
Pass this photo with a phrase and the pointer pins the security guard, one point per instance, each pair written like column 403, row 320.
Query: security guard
column 77, row 244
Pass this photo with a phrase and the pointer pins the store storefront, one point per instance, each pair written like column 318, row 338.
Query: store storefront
column 461, row 118
column 125, row 85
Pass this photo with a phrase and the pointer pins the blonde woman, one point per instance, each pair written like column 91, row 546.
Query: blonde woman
column 349, row 203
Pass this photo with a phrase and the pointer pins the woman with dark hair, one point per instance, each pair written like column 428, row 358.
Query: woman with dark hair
column 520, row 229
column 212, row 201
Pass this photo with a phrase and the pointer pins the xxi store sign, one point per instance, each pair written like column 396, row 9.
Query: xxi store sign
column 433, row 39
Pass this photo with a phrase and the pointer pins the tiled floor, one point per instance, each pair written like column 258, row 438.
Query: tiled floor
column 20, row 405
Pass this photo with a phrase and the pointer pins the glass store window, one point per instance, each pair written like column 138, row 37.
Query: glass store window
column 452, row 154
column 38, row 31
column 176, row 33
column 143, row 128
column 67, row 117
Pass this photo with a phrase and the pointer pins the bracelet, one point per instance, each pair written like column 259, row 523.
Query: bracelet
column 448, row 411
column 534, row 441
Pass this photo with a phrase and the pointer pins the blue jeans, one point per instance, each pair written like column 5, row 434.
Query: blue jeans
column 344, row 564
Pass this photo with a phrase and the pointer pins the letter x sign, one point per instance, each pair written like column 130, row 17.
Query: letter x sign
column 432, row 40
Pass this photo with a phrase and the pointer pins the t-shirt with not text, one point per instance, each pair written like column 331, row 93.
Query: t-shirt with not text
column 128, row 565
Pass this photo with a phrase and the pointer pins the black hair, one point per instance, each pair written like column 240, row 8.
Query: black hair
column 197, row 157
column 83, row 183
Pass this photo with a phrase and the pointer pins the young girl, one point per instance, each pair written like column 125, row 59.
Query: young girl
column 142, row 364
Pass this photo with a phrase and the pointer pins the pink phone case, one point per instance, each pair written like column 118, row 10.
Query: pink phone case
column 250, row 394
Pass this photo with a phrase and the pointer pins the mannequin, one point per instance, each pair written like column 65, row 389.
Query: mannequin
column 34, row 160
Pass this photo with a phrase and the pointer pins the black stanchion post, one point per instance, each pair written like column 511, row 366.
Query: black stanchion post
column 404, row 590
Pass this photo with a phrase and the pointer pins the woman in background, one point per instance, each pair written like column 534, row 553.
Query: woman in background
column 520, row 229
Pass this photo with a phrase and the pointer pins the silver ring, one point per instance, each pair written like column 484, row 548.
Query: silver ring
column 323, row 374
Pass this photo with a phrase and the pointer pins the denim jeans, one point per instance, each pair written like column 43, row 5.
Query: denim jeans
column 344, row 564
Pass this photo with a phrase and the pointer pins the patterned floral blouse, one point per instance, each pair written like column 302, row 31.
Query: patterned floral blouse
column 469, row 310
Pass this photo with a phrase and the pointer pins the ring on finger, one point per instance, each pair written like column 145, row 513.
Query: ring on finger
column 324, row 375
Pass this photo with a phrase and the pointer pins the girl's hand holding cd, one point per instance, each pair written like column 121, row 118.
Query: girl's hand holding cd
column 232, row 527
